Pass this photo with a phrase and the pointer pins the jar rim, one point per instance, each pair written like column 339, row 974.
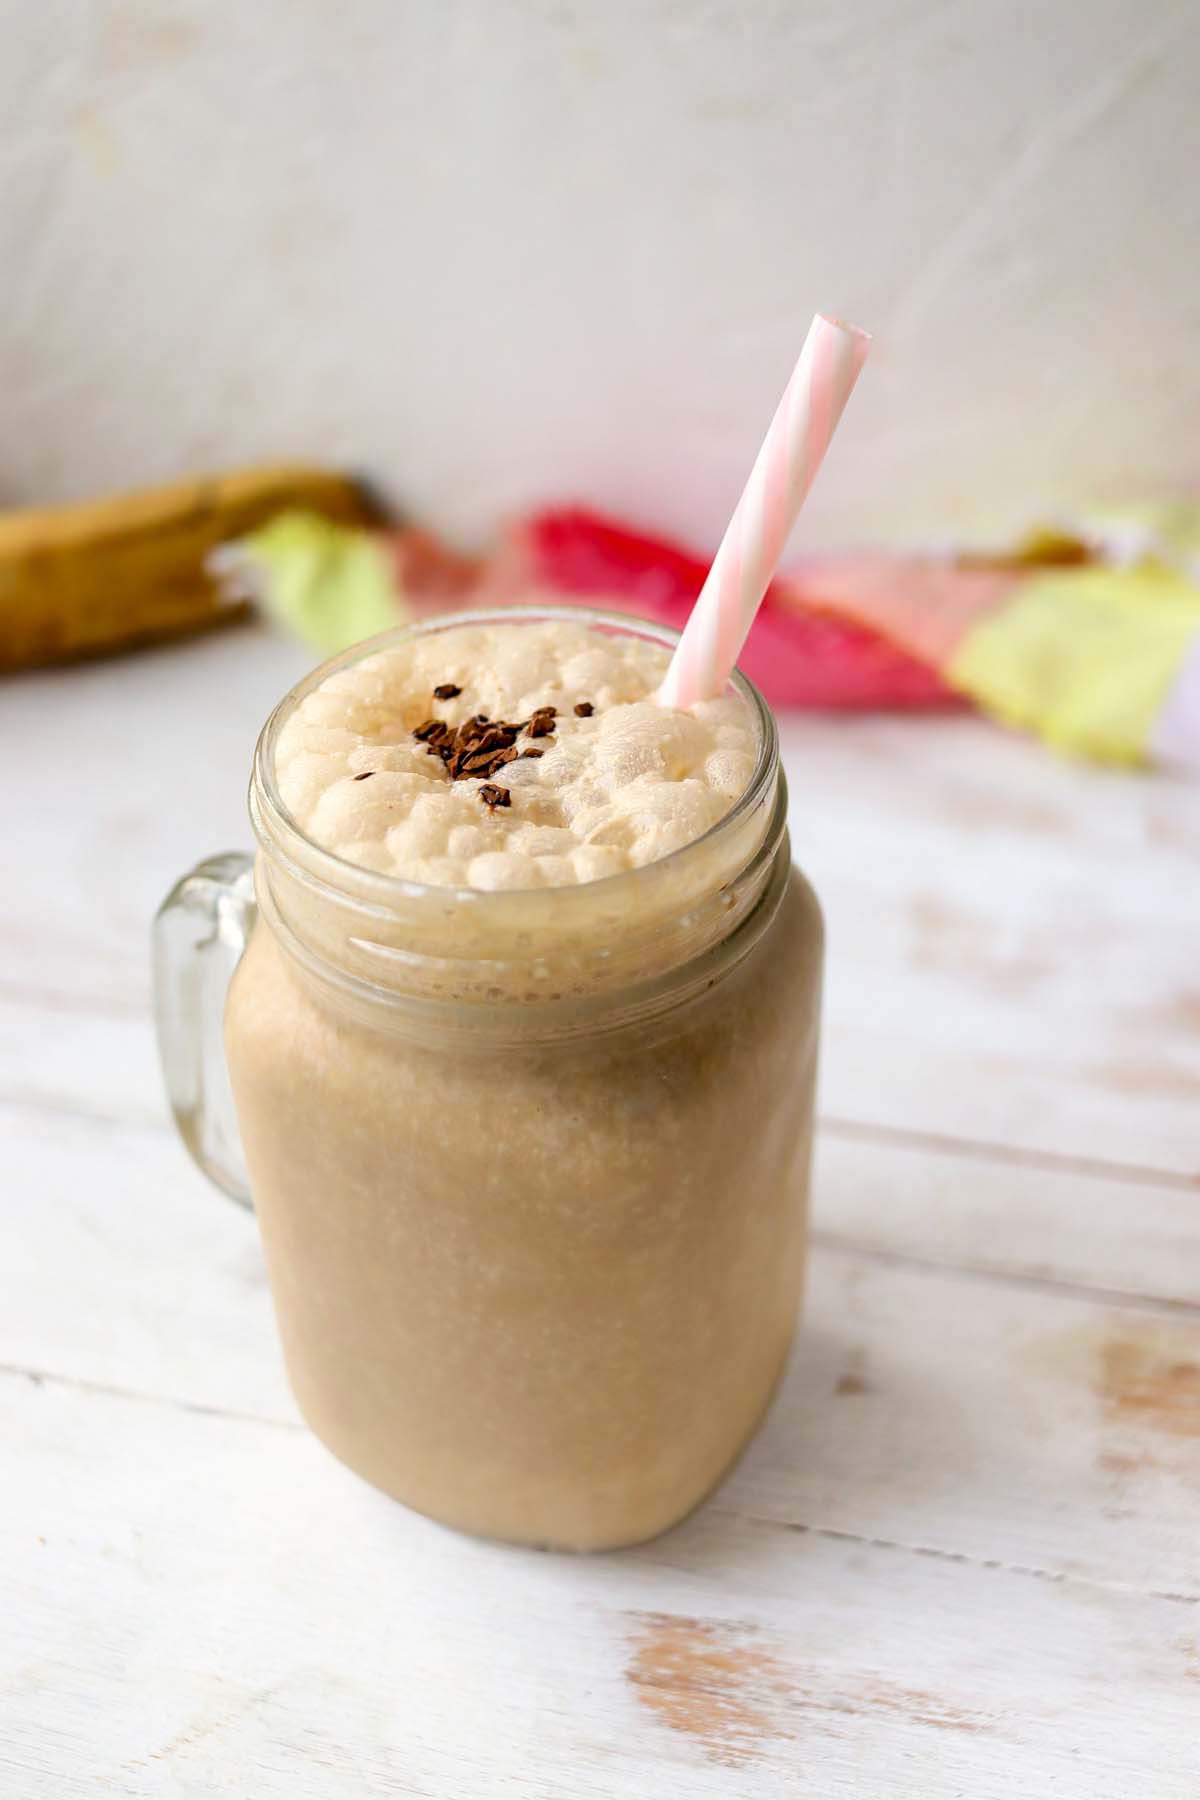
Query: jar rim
column 276, row 828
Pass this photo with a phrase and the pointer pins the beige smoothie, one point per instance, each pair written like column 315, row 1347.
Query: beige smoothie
column 523, row 1050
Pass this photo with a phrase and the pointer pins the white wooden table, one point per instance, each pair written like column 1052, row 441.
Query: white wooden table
column 963, row 1557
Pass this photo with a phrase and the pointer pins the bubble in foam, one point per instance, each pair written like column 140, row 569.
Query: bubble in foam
column 594, row 862
column 465, row 842
column 498, row 869
column 728, row 771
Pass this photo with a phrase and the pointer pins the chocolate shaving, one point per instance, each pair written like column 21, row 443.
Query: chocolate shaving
column 498, row 758
column 480, row 746
column 524, row 753
column 542, row 723
column 365, row 776
column 485, row 762
column 493, row 796
column 584, row 709
column 481, row 763
column 447, row 690
column 497, row 737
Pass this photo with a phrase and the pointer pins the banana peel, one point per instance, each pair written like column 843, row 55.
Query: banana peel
column 103, row 575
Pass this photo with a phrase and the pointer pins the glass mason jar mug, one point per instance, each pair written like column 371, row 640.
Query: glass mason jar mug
column 530, row 1166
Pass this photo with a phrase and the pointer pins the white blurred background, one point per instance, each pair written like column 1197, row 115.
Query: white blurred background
column 499, row 251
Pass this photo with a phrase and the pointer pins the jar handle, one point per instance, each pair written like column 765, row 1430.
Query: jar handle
column 200, row 932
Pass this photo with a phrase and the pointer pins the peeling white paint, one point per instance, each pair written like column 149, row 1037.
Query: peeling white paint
column 496, row 252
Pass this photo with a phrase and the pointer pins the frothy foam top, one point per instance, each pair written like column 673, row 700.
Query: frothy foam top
column 615, row 789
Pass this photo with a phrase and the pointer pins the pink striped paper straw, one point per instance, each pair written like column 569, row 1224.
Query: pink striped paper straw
column 787, row 464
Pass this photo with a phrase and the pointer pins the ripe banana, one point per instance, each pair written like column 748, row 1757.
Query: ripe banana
column 83, row 579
